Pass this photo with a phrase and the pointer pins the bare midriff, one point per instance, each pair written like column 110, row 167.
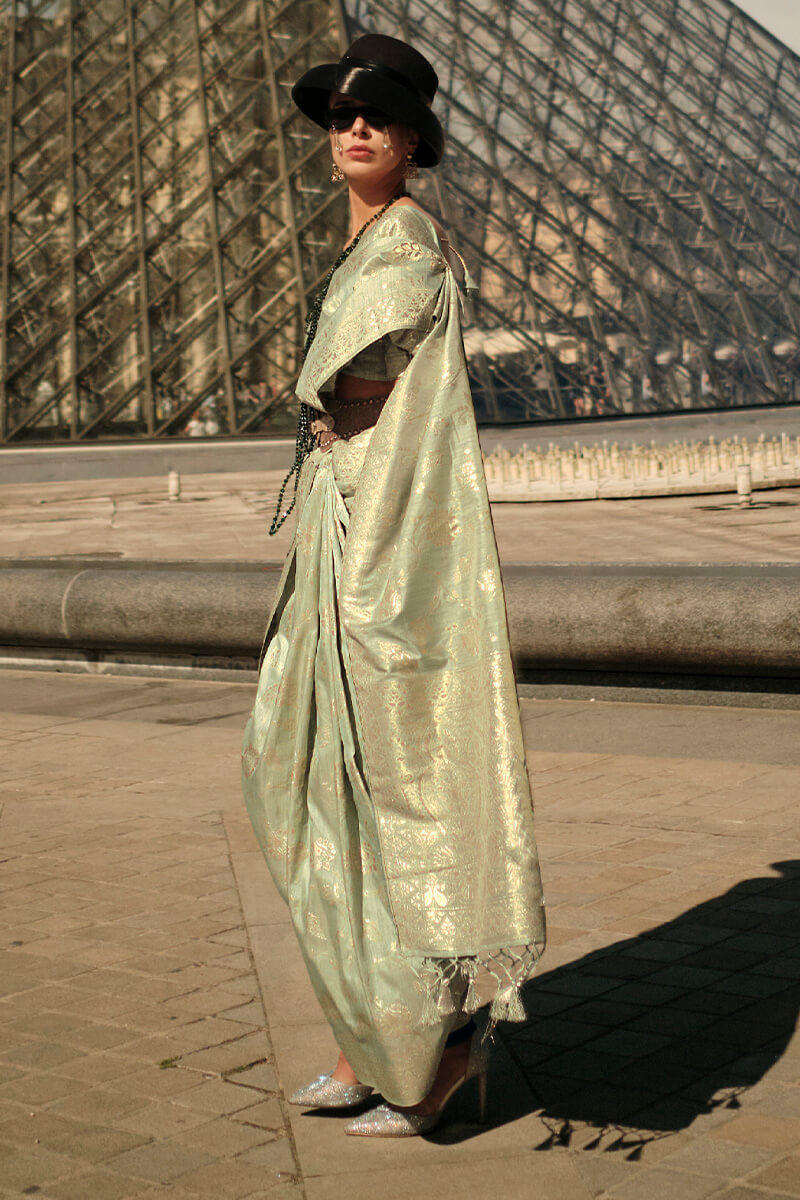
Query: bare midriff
column 356, row 406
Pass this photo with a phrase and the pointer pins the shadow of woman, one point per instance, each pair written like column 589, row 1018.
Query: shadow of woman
column 634, row 1041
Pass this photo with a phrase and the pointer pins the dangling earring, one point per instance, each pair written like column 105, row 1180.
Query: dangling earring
column 411, row 170
column 337, row 174
column 387, row 145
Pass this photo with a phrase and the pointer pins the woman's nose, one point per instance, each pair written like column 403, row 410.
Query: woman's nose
column 359, row 125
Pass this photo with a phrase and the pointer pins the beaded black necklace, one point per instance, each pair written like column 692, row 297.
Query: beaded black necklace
column 304, row 442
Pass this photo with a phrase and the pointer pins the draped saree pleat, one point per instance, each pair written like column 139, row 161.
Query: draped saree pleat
column 329, row 871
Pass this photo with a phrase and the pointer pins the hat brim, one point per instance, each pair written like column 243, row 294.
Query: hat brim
column 312, row 92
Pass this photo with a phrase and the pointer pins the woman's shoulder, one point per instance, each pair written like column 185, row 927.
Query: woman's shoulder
column 409, row 205
column 415, row 227
column 411, row 219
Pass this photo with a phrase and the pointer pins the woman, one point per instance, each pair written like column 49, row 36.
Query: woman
column 383, row 763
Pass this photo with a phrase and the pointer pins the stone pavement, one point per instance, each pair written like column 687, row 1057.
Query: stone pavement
column 155, row 1010
column 227, row 516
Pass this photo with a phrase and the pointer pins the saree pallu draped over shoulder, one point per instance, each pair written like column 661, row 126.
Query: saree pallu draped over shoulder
column 383, row 764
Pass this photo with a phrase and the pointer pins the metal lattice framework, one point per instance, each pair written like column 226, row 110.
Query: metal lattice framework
column 621, row 175
column 624, row 176
column 166, row 211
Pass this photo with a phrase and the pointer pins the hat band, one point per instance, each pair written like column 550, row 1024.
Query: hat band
column 368, row 64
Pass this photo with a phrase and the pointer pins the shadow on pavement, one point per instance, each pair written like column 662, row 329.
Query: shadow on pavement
column 635, row 1041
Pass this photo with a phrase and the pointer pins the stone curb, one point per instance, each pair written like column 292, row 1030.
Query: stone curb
column 728, row 618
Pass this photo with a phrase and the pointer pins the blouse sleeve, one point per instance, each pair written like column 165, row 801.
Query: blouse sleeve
column 387, row 357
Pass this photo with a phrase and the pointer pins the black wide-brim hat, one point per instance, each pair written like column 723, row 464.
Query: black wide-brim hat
column 386, row 73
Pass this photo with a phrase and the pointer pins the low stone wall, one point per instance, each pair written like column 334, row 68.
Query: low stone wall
column 722, row 619
column 211, row 608
column 725, row 618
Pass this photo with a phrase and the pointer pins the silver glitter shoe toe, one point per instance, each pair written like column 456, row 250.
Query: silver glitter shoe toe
column 327, row 1092
column 385, row 1121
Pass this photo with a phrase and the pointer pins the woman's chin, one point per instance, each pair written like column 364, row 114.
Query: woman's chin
column 367, row 171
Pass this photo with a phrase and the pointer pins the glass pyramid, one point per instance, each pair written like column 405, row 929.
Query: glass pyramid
column 622, row 177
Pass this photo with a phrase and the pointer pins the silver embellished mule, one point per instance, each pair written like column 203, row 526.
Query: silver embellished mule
column 327, row 1092
column 385, row 1121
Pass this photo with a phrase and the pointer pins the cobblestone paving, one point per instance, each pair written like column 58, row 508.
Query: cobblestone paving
column 134, row 1055
column 154, row 1005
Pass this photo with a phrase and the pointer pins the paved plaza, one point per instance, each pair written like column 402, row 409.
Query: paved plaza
column 227, row 516
column 155, row 1010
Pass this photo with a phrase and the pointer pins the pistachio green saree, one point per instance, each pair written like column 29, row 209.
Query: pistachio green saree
column 383, row 764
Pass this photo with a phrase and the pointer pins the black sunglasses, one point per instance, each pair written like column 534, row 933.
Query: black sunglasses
column 343, row 117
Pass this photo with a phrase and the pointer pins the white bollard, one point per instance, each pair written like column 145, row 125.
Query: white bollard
column 174, row 485
column 744, row 486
